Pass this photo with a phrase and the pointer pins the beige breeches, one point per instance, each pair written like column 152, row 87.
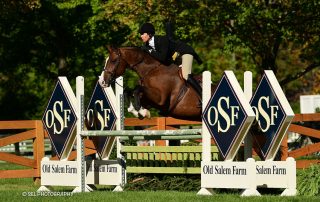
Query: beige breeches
column 186, row 65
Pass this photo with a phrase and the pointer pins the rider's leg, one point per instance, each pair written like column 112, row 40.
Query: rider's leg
column 187, row 60
column 186, row 73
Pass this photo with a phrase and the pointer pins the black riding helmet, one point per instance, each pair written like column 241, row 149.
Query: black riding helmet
column 147, row 28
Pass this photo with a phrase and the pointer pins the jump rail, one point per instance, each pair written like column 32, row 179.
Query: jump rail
column 130, row 133
column 159, row 159
column 168, row 160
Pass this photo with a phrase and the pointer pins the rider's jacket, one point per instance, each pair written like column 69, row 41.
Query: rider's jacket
column 169, row 51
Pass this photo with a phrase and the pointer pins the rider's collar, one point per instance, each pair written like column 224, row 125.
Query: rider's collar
column 151, row 42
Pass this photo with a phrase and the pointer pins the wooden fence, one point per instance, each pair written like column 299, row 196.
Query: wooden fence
column 31, row 130
column 298, row 127
column 34, row 130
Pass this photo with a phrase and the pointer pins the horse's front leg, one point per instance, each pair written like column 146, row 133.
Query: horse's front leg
column 135, row 106
column 137, row 95
column 128, row 96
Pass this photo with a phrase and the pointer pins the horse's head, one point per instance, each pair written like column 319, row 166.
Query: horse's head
column 115, row 66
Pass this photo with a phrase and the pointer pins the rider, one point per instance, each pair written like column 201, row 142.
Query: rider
column 168, row 51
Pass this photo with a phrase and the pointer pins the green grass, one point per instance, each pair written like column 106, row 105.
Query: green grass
column 11, row 166
column 14, row 189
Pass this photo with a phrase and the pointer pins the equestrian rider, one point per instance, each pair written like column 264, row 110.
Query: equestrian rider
column 168, row 51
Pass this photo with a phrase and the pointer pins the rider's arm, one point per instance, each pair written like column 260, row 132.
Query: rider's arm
column 162, row 49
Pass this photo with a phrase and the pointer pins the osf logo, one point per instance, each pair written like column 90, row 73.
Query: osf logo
column 273, row 114
column 60, row 118
column 100, row 114
column 228, row 115
column 223, row 115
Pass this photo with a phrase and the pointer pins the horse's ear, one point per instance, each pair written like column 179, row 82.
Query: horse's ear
column 110, row 48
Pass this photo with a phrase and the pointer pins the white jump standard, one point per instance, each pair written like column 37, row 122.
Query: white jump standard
column 227, row 116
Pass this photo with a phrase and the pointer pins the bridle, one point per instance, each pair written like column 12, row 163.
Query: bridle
column 112, row 73
column 117, row 64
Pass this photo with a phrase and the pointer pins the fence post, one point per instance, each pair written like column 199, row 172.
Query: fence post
column 284, row 147
column 38, row 149
column 161, row 121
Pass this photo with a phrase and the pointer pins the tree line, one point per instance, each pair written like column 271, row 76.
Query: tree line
column 43, row 39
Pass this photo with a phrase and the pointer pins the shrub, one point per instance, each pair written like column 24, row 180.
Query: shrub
column 308, row 181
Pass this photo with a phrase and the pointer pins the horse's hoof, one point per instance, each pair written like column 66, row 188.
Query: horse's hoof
column 148, row 114
column 133, row 111
column 145, row 113
column 140, row 117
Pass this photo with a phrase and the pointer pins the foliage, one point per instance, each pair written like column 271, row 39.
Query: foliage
column 43, row 39
column 308, row 181
column 45, row 42
column 163, row 182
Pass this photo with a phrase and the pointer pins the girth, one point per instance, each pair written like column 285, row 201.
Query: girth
column 181, row 94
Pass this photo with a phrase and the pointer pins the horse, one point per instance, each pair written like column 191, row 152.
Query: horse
column 161, row 87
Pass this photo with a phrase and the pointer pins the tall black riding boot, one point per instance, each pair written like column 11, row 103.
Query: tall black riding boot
column 195, row 85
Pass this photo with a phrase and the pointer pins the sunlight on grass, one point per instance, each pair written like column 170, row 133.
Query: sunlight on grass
column 17, row 189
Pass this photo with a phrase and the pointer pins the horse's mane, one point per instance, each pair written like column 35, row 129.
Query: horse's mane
column 131, row 47
column 145, row 54
column 148, row 56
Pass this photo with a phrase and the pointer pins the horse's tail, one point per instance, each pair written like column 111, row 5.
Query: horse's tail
column 169, row 31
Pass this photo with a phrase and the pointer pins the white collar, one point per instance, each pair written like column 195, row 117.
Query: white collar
column 151, row 43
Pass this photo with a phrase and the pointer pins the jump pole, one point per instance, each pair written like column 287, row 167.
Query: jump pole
column 206, row 137
column 247, row 88
column 81, row 164
column 120, row 127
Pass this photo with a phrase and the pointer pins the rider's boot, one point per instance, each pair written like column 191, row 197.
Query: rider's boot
column 195, row 85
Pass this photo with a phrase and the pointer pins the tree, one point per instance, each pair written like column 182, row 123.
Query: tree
column 43, row 39
column 280, row 36
column 39, row 43
column 268, row 28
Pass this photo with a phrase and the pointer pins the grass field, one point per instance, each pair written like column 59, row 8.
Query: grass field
column 16, row 189
column 23, row 189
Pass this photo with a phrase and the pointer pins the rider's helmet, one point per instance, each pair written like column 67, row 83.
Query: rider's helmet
column 147, row 28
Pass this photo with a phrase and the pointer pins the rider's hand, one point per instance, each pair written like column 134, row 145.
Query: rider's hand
column 146, row 49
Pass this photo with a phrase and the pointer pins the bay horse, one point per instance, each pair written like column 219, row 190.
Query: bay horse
column 161, row 86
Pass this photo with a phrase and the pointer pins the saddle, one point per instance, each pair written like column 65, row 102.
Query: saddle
column 198, row 78
column 184, row 88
